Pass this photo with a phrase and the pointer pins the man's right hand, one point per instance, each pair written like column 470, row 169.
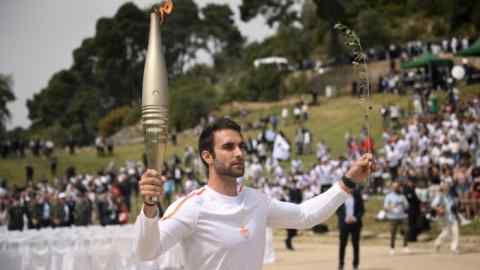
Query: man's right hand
column 151, row 185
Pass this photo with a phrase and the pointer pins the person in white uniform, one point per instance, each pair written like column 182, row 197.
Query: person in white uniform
column 222, row 225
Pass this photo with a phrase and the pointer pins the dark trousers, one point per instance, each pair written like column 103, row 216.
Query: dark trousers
column 345, row 231
column 394, row 225
column 412, row 226
column 291, row 233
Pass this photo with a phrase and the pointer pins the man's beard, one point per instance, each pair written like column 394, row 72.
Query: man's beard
column 232, row 171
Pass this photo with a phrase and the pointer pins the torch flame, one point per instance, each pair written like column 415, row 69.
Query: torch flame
column 163, row 10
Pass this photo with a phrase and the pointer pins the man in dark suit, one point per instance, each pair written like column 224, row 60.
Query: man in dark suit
column 350, row 223
column 295, row 195
column 413, row 210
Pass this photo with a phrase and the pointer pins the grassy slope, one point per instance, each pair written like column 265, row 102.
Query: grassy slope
column 328, row 121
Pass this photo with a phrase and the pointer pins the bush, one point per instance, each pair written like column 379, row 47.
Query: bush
column 440, row 27
column 264, row 83
column 298, row 84
column 134, row 114
column 113, row 121
column 190, row 100
column 372, row 29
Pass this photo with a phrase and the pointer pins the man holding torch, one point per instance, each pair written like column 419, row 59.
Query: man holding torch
column 221, row 225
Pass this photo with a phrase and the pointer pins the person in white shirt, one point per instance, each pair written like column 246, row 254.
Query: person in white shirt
column 445, row 207
column 285, row 115
column 281, row 148
column 256, row 170
column 222, row 225
column 396, row 205
column 395, row 116
column 423, row 143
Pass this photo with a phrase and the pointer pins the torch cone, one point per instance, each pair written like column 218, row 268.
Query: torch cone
column 155, row 99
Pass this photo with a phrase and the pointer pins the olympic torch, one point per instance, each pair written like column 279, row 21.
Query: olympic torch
column 155, row 94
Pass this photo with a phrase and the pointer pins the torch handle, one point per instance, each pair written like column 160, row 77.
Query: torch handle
column 155, row 126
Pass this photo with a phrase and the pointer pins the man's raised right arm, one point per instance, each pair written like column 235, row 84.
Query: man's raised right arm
column 154, row 236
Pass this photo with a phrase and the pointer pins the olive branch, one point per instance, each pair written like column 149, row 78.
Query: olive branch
column 360, row 68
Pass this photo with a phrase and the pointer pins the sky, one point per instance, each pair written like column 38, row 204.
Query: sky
column 37, row 38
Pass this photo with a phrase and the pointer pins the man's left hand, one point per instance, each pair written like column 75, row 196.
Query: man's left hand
column 361, row 168
column 351, row 220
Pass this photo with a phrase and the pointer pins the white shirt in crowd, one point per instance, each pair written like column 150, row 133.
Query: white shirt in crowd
column 296, row 111
column 216, row 231
column 281, row 148
column 349, row 208
column 394, row 111
column 256, row 170
column 284, row 113
column 423, row 143
column 392, row 155
column 296, row 165
column 322, row 150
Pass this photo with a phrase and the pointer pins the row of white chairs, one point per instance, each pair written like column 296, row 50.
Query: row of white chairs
column 75, row 248
column 78, row 248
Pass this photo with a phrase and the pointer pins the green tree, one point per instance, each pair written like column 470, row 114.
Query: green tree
column 85, row 60
column 120, row 44
column 190, row 99
column 6, row 96
column 465, row 15
column 264, row 83
column 274, row 11
column 220, row 29
column 370, row 27
column 48, row 106
column 108, row 69
column 181, row 36
column 331, row 12
column 65, row 102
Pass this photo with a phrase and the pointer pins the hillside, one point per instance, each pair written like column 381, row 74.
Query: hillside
column 329, row 121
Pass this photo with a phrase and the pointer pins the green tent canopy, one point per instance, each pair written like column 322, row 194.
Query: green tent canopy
column 426, row 59
column 473, row 50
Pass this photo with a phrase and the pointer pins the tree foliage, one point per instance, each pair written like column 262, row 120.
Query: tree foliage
column 6, row 96
column 274, row 11
column 113, row 121
column 372, row 19
column 190, row 100
column 264, row 83
column 107, row 68
column 219, row 28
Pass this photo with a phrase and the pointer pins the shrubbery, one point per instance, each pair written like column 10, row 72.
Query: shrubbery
column 190, row 100
column 113, row 121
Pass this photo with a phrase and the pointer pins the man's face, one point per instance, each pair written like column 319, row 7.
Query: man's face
column 229, row 153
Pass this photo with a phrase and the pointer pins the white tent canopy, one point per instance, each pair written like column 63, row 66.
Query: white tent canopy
column 270, row 60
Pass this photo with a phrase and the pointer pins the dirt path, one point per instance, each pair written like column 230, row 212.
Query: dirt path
column 321, row 253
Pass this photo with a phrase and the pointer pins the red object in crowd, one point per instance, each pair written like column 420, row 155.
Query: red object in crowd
column 368, row 145
column 116, row 191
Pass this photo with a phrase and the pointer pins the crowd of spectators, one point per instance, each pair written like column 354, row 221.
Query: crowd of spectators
column 17, row 148
column 422, row 147
column 414, row 48
column 431, row 147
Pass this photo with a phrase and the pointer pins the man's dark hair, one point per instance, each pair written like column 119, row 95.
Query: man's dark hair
column 205, row 142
